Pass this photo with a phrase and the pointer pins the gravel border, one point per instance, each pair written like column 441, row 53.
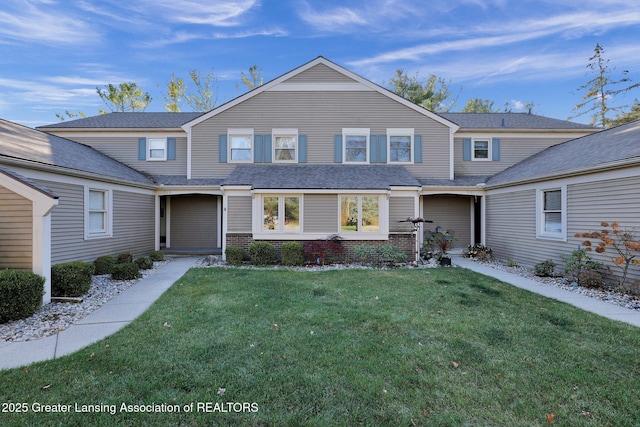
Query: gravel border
column 58, row 316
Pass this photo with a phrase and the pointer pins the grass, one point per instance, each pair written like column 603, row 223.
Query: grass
column 355, row 347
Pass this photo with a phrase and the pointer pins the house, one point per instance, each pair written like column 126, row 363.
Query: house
column 315, row 152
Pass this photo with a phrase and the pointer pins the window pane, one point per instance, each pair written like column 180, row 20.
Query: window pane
column 291, row 213
column 240, row 141
column 400, row 148
column 96, row 200
column 156, row 154
column 481, row 149
column 370, row 214
column 553, row 222
column 240, row 147
column 96, row 222
column 349, row 213
column 270, row 213
column 356, row 148
column 552, row 200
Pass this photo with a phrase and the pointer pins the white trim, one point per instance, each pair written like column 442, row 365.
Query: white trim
column 472, row 220
column 165, row 149
column 240, row 132
column 167, row 222
column 119, row 133
column 452, row 161
column 219, row 212
column 383, row 217
column 488, row 140
column 284, row 132
column 108, row 211
column 541, row 233
column 356, row 132
column 258, row 215
column 225, row 217
column 189, row 156
column 410, row 132
column 483, row 220
column 156, row 227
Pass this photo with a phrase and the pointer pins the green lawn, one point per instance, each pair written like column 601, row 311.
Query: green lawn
column 352, row 347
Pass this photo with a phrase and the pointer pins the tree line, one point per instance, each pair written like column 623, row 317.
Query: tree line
column 434, row 93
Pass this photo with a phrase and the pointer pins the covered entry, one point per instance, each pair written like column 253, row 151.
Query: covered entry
column 457, row 213
column 191, row 223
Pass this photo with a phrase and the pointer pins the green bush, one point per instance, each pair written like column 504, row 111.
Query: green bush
column 262, row 253
column 156, row 256
column 234, row 255
column 71, row 279
column 591, row 279
column 292, row 253
column 126, row 271
column 144, row 263
column 20, row 294
column 390, row 255
column 125, row 258
column 103, row 265
column 366, row 254
column 577, row 262
column 545, row 268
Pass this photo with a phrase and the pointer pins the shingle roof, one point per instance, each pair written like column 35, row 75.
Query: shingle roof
column 136, row 120
column 23, row 143
column 459, row 181
column 511, row 121
column 618, row 144
column 23, row 179
column 182, row 180
column 339, row 177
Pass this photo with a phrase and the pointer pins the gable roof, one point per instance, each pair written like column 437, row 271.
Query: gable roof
column 468, row 121
column 619, row 146
column 22, row 144
column 338, row 177
column 133, row 120
column 28, row 182
column 359, row 83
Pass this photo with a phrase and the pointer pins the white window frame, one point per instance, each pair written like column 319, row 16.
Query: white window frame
column 164, row 149
column 400, row 132
column 541, row 232
column 281, row 214
column 366, row 132
column 359, row 230
column 108, row 213
column 242, row 132
column 489, row 149
column 275, row 133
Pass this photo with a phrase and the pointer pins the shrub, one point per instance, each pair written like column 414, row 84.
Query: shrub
column 262, row 253
column 479, row 252
column 20, row 294
column 365, row 254
column 234, row 255
column 292, row 253
column 545, row 268
column 126, row 271
column 390, row 255
column 103, row 265
column 156, row 256
column 71, row 279
column 591, row 279
column 125, row 258
column 578, row 262
column 511, row 262
column 323, row 251
column 144, row 263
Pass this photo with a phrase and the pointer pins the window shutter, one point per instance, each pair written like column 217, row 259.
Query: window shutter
column 171, row 148
column 302, row 148
column 142, row 148
column 382, row 148
column 495, row 149
column 466, row 149
column 258, row 149
column 266, row 148
column 222, row 148
column 417, row 149
column 373, row 149
column 337, row 148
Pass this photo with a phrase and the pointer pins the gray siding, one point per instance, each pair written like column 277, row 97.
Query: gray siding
column 400, row 208
column 320, row 214
column 16, row 224
column 133, row 225
column 194, row 222
column 320, row 116
column 239, row 214
column 452, row 213
column 125, row 149
column 320, row 73
column 512, row 151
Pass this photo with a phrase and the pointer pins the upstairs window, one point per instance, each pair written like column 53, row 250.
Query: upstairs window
column 157, row 149
column 481, row 149
column 400, row 145
column 355, row 145
column 240, row 145
column 285, row 145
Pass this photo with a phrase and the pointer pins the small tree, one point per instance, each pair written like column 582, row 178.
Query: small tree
column 126, row 96
column 625, row 245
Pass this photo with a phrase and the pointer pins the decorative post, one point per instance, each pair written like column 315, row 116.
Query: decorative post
column 416, row 221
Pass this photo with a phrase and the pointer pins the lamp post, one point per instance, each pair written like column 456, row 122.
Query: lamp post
column 416, row 221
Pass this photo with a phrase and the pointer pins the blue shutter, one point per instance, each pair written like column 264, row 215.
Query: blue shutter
column 171, row 148
column 466, row 149
column 417, row 149
column 495, row 149
column 373, row 149
column 382, row 148
column 337, row 148
column 142, row 148
column 302, row 148
column 222, row 148
column 266, row 148
column 258, row 149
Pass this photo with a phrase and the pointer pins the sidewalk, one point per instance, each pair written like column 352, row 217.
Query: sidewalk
column 108, row 319
column 594, row 305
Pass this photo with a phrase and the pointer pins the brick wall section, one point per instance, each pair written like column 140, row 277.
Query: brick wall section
column 405, row 242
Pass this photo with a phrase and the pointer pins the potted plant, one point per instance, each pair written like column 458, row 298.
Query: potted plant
column 443, row 243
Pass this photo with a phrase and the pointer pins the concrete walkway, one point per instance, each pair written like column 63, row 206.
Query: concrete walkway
column 594, row 305
column 108, row 319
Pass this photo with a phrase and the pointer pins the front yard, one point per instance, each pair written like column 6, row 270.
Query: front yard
column 351, row 347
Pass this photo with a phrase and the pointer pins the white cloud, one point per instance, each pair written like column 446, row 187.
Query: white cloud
column 219, row 13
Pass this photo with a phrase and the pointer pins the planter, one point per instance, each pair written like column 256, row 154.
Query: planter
column 445, row 261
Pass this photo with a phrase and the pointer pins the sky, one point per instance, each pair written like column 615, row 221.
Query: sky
column 55, row 53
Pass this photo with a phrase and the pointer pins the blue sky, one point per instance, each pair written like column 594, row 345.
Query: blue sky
column 54, row 53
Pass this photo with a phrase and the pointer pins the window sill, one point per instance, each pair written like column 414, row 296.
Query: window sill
column 559, row 237
column 97, row 236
